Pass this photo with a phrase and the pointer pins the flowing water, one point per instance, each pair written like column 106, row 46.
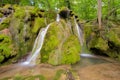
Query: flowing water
column 90, row 67
column 79, row 31
column 37, row 46
column 58, row 18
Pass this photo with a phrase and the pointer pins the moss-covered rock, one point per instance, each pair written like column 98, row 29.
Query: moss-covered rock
column 71, row 50
column 113, row 37
column 5, row 23
column 19, row 12
column 99, row 43
column 1, row 15
column 105, row 42
column 38, row 24
column 60, row 45
column 5, row 47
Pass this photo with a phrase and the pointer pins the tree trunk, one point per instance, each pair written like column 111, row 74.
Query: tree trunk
column 99, row 13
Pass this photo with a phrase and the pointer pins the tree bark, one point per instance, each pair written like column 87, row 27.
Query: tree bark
column 99, row 13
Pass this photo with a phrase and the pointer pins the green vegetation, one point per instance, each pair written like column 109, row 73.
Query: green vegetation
column 58, row 74
column 20, row 77
column 5, row 23
column 5, row 47
column 19, row 12
column 39, row 23
column 51, row 42
column 25, row 18
column 71, row 50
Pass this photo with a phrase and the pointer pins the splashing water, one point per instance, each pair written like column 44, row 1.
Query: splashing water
column 37, row 46
column 79, row 31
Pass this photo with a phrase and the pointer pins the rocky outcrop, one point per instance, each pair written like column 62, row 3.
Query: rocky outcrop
column 22, row 24
column 61, row 46
column 105, row 42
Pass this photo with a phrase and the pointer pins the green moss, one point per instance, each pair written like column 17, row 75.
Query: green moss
column 58, row 74
column 87, row 30
column 1, row 58
column 50, row 16
column 19, row 12
column 39, row 23
column 7, row 6
column 18, row 77
column 113, row 37
column 5, row 23
column 50, row 43
column 21, row 77
column 71, row 50
column 5, row 47
column 1, row 15
column 99, row 43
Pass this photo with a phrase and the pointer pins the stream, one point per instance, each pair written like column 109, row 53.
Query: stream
column 88, row 68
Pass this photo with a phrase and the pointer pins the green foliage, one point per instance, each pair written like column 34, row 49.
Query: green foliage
column 39, row 23
column 1, row 58
column 25, row 2
column 71, row 50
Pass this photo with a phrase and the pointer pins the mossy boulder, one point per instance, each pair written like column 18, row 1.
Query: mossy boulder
column 99, row 43
column 60, row 45
column 105, row 42
column 113, row 37
column 71, row 50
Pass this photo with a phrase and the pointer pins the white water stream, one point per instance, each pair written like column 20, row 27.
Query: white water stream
column 79, row 31
column 58, row 18
column 37, row 46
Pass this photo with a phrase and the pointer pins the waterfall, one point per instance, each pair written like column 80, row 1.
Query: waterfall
column 79, row 31
column 58, row 18
column 37, row 46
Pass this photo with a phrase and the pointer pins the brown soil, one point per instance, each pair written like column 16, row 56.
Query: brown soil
column 105, row 71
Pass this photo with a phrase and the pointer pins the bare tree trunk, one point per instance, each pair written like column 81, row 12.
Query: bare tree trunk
column 99, row 13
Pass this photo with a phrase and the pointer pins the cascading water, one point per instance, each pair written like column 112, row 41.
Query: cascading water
column 58, row 18
column 81, row 38
column 37, row 46
column 79, row 31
